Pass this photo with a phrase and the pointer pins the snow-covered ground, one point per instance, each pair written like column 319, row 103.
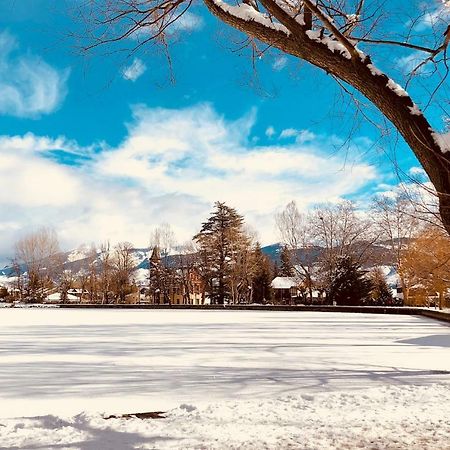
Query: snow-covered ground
column 228, row 379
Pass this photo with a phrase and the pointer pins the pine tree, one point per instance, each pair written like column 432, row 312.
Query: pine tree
column 262, row 291
column 380, row 293
column 348, row 285
column 217, row 239
column 285, row 269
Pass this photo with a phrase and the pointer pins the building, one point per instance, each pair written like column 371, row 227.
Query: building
column 285, row 289
column 172, row 283
column 58, row 297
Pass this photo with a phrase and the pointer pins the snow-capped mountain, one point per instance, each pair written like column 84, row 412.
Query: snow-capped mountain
column 79, row 259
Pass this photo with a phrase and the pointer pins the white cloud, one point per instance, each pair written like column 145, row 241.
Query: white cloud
column 417, row 172
column 171, row 167
column 280, row 63
column 288, row 132
column 270, row 131
column 412, row 62
column 188, row 22
column 29, row 87
column 433, row 16
column 305, row 136
column 134, row 70
column 301, row 136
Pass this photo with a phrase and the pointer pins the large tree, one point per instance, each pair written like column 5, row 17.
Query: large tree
column 39, row 255
column 348, row 286
column 295, row 231
column 327, row 34
column 342, row 233
column 221, row 240
column 123, row 265
column 426, row 262
column 398, row 222
column 262, row 276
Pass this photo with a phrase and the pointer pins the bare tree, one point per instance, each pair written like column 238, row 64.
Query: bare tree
column 296, row 235
column 241, row 269
column 398, row 222
column 342, row 233
column 163, row 237
column 123, row 265
column 39, row 254
column 204, row 266
column 87, row 278
column 162, row 277
column 105, row 271
column 327, row 34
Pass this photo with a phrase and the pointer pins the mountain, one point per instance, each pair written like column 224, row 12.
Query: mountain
column 79, row 259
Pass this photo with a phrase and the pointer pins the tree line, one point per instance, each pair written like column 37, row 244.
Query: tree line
column 332, row 253
column 398, row 229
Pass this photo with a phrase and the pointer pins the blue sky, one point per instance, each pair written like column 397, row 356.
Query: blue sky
column 107, row 147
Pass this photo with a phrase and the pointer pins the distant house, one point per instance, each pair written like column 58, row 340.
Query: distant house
column 57, row 297
column 285, row 289
column 79, row 293
column 288, row 290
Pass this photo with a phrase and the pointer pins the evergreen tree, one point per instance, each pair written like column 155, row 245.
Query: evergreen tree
column 285, row 269
column 217, row 239
column 276, row 270
column 381, row 293
column 348, row 285
column 262, row 291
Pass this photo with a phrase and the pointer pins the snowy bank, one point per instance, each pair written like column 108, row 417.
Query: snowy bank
column 394, row 417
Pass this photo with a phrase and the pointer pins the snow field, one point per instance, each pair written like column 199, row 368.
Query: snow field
column 227, row 379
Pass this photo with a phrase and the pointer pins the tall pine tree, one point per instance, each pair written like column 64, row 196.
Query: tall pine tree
column 263, row 274
column 217, row 239
column 285, row 269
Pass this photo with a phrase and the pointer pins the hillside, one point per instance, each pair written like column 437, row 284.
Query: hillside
column 79, row 259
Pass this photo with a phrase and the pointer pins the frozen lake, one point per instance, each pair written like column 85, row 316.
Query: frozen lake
column 66, row 361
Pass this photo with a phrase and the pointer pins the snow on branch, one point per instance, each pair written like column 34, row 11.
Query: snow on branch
column 248, row 13
column 328, row 23
column 442, row 141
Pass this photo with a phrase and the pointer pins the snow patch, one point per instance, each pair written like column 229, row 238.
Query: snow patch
column 415, row 110
column 393, row 86
column 443, row 141
column 141, row 276
column 332, row 44
column 284, row 283
column 374, row 70
column 77, row 255
column 250, row 14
